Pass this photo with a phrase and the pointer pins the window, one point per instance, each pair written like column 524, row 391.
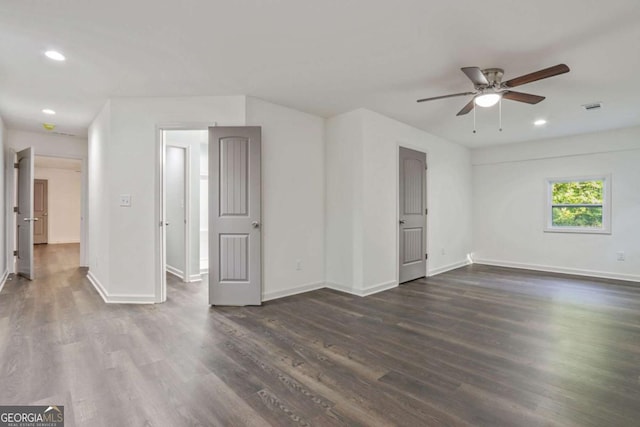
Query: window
column 579, row 205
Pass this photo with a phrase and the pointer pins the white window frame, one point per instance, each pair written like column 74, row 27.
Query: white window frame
column 606, row 205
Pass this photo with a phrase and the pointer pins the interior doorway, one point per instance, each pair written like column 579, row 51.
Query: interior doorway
column 57, row 208
column 48, row 195
column 183, row 210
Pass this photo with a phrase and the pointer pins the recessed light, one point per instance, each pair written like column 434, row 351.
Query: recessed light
column 48, row 111
column 55, row 55
column 49, row 126
column 540, row 122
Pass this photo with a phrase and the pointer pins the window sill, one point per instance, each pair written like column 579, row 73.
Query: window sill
column 576, row 230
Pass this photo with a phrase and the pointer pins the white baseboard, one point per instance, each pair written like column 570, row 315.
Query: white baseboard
column 63, row 242
column 268, row 296
column 340, row 288
column 369, row 290
column 176, row 272
column 447, row 267
column 132, row 299
column 118, row 299
column 563, row 270
column 3, row 279
column 97, row 285
column 195, row 278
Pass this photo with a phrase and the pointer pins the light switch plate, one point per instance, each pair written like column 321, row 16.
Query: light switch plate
column 125, row 200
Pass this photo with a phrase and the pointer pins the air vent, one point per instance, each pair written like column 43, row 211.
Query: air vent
column 63, row 134
column 592, row 106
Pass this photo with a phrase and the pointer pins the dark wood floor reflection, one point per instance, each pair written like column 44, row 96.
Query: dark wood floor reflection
column 476, row 346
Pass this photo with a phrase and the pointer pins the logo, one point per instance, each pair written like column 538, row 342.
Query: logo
column 32, row 416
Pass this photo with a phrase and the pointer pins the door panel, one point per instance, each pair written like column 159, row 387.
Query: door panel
column 413, row 222
column 235, row 266
column 24, row 216
column 40, row 211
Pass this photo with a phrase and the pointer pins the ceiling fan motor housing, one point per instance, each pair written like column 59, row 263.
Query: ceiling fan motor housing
column 494, row 75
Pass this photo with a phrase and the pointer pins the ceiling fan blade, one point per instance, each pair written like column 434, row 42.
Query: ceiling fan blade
column 476, row 76
column 522, row 97
column 467, row 108
column 538, row 75
column 446, row 96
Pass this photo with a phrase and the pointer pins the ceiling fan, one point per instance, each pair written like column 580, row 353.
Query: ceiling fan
column 490, row 89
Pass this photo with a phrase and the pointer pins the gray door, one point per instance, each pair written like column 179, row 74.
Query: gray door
column 24, row 216
column 413, row 218
column 175, row 210
column 234, row 216
column 40, row 211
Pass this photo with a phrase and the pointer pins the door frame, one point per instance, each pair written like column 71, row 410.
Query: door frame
column 160, row 214
column 427, row 189
column 11, row 198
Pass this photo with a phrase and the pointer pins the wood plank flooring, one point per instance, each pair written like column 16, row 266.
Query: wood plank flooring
column 478, row 346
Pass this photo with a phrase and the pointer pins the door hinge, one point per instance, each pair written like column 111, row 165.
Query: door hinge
column 16, row 165
column 426, row 256
column 426, row 211
column 15, row 253
column 15, row 209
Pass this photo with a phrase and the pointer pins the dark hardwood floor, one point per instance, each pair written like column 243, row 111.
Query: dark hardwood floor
column 475, row 346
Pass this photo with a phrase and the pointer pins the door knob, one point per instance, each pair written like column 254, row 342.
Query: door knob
column 31, row 219
column 402, row 221
column 255, row 224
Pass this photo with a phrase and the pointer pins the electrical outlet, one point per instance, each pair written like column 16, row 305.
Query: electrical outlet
column 620, row 256
column 298, row 265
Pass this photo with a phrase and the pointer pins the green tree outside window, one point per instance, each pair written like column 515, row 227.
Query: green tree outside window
column 577, row 204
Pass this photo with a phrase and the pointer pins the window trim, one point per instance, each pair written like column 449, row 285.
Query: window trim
column 606, row 205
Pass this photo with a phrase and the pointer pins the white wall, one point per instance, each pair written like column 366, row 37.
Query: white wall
column 343, row 180
column 175, row 201
column 4, row 242
column 509, row 203
column 99, row 224
column 448, row 198
column 362, row 201
column 292, row 197
column 130, row 147
column 54, row 145
column 204, row 207
column 293, row 189
column 48, row 144
column 64, row 208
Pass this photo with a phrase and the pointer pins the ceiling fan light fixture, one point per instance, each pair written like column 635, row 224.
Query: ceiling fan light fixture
column 487, row 99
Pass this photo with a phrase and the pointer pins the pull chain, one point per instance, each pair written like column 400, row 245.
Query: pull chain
column 500, row 113
column 474, row 119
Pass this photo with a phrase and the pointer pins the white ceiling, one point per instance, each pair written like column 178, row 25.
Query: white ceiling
column 325, row 57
